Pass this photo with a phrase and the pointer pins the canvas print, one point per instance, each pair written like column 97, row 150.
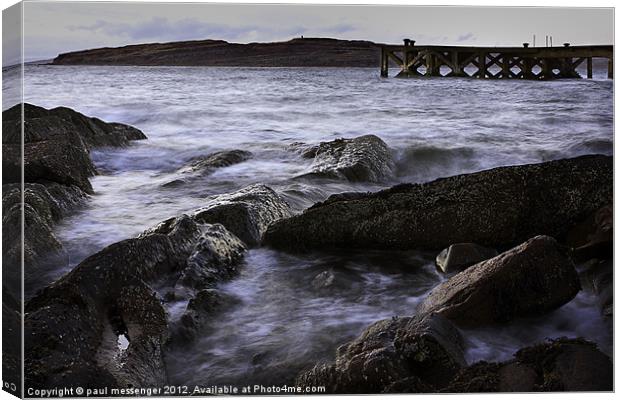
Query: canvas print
column 262, row 199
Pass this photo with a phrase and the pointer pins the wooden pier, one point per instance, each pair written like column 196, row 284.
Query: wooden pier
column 535, row 63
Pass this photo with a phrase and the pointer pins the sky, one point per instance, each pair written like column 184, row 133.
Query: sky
column 51, row 28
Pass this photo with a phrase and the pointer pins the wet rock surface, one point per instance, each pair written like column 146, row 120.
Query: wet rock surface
column 202, row 166
column 530, row 279
column 57, row 168
column 496, row 208
column 563, row 364
column 247, row 212
column 73, row 325
column 459, row 256
column 361, row 159
column 390, row 354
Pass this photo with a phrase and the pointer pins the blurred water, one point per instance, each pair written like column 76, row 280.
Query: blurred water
column 435, row 127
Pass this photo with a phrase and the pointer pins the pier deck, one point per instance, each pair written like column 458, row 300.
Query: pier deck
column 536, row 63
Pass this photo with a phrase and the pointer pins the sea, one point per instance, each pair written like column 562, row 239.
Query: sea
column 277, row 322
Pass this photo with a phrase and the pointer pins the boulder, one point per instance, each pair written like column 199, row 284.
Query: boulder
column 459, row 256
column 593, row 237
column 73, row 326
column 44, row 205
column 199, row 309
column 497, row 208
column 530, row 279
column 247, row 212
column 215, row 258
column 428, row 348
column 598, row 278
column 208, row 164
column 62, row 122
column 362, row 159
column 571, row 365
column 56, row 144
column 56, row 171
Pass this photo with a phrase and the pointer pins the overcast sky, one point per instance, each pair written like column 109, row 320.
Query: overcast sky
column 53, row 28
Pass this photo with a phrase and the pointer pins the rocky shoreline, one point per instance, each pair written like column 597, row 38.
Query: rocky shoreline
column 518, row 241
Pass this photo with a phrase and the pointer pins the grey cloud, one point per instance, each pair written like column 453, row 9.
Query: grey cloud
column 467, row 37
column 162, row 29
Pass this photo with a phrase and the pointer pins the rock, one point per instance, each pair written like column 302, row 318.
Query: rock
column 428, row 348
column 530, row 279
column 56, row 144
column 202, row 166
column 598, row 278
column 496, row 208
column 362, row 159
column 74, row 324
column 324, row 280
column 199, row 309
column 593, row 237
column 62, row 160
column 62, row 122
column 44, row 205
column 214, row 258
column 247, row 212
column 221, row 159
column 571, row 365
column 57, row 167
column 459, row 256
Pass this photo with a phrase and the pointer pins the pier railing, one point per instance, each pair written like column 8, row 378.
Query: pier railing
column 536, row 63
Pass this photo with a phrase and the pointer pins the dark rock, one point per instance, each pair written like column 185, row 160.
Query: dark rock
column 57, row 167
column 389, row 351
column 44, row 205
column 593, row 237
column 214, row 258
column 56, row 144
column 571, row 365
column 63, row 123
column 199, row 310
column 530, row 279
column 62, row 160
column 362, row 159
column 72, row 326
column 598, row 278
column 247, row 212
column 459, row 256
column 497, row 208
column 202, row 166
column 221, row 159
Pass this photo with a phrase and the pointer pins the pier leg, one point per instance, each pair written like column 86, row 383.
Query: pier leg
column 384, row 63
column 610, row 69
column 456, row 67
column 482, row 66
column 406, row 59
column 505, row 64
column 527, row 68
column 430, row 64
column 589, row 67
column 546, row 69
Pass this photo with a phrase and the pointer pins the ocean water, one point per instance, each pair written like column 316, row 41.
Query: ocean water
column 277, row 322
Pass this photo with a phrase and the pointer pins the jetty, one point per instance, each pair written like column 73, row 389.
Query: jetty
column 534, row 63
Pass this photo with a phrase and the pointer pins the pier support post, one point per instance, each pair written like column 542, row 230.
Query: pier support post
column 589, row 67
column 610, row 68
column 505, row 66
column 546, row 69
column 482, row 65
column 527, row 68
column 384, row 62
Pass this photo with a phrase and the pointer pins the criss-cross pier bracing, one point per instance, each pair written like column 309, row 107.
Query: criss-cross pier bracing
column 536, row 63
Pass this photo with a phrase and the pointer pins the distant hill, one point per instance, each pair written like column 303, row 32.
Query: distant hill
column 301, row 52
